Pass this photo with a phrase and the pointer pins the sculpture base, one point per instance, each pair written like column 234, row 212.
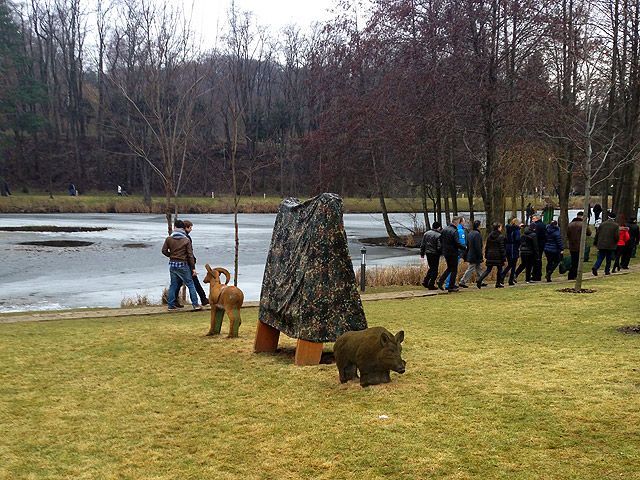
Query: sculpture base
column 307, row 353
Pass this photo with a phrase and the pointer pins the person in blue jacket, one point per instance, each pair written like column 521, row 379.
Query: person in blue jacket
column 512, row 244
column 553, row 248
column 462, row 235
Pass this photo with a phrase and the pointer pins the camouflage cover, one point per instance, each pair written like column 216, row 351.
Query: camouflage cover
column 309, row 287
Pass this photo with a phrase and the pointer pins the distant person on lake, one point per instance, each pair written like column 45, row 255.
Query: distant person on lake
column 5, row 187
column 574, row 234
column 473, row 256
column 529, row 211
column 597, row 211
column 452, row 249
column 188, row 227
column 495, row 253
column 606, row 239
column 432, row 249
column 182, row 265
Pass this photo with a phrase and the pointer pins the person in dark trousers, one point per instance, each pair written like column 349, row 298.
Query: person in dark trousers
column 624, row 242
column 72, row 190
column 528, row 252
column 182, row 265
column 589, row 213
column 597, row 211
column 606, row 240
column 473, row 256
column 495, row 253
column 188, row 226
column 634, row 233
column 529, row 211
column 451, row 250
column 541, row 235
column 553, row 248
column 512, row 244
column 432, row 248
column 574, row 233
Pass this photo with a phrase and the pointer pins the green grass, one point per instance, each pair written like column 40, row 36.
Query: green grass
column 512, row 384
column 100, row 202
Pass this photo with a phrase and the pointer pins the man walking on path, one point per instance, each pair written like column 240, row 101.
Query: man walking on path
column 574, row 232
column 529, row 212
column 553, row 248
column 451, row 250
column 188, row 226
column 473, row 256
column 540, row 230
column 462, row 236
column 182, row 265
column 528, row 252
column 606, row 240
column 431, row 247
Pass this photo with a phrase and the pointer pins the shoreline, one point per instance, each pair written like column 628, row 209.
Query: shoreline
column 110, row 203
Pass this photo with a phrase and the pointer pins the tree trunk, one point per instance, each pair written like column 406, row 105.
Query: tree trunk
column 383, row 206
column 447, row 211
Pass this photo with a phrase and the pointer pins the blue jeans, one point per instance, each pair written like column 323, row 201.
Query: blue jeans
column 602, row 254
column 184, row 274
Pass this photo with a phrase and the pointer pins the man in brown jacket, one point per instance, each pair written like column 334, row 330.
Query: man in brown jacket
column 574, row 232
column 606, row 240
column 182, row 265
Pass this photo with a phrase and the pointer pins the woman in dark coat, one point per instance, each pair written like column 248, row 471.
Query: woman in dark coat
column 528, row 252
column 512, row 244
column 553, row 248
column 495, row 253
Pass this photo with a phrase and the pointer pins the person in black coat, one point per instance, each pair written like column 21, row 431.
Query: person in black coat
column 512, row 243
column 432, row 248
column 451, row 250
column 495, row 253
column 541, row 234
column 473, row 256
column 528, row 252
column 553, row 248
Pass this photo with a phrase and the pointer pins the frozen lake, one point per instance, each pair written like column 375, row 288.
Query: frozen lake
column 102, row 274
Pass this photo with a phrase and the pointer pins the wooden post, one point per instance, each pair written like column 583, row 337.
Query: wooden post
column 308, row 353
column 266, row 338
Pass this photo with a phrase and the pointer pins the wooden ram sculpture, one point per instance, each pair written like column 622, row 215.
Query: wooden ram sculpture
column 223, row 298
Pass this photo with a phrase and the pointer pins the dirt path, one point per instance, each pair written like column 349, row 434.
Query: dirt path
column 366, row 297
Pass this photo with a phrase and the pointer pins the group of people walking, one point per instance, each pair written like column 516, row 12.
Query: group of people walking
column 504, row 246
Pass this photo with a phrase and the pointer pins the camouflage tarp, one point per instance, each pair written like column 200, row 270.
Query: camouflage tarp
column 309, row 287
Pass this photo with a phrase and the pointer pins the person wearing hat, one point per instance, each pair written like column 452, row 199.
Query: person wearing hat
column 606, row 239
column 574, row 233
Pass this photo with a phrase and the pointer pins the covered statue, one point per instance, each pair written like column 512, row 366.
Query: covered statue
column 309, row 289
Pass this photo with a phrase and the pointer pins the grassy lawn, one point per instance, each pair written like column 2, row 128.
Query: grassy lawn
column 514, row 384
column 101, row 202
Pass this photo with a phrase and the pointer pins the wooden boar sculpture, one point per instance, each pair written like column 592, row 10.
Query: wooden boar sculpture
column 223, row 298
column 374, row 352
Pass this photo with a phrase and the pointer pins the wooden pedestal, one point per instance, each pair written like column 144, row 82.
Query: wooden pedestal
column 266, row 338
column 308, row 353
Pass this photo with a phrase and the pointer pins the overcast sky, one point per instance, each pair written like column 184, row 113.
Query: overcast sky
column 209, row 16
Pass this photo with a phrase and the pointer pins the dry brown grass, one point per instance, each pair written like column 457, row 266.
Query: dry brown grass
column 409, row 274
column 136, row 301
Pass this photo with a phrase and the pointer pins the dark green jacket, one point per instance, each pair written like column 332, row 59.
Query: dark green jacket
column 607, row 235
